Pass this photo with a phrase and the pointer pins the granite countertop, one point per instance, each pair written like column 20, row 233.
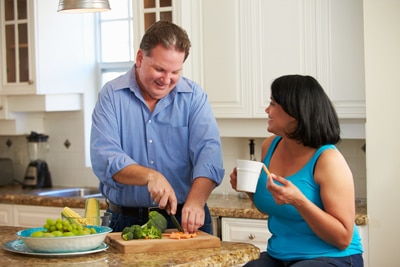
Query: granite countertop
column 219, row 205
column 230, row 254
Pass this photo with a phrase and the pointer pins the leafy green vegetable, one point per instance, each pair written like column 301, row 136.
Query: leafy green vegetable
column 156, row 219
column 152, row 229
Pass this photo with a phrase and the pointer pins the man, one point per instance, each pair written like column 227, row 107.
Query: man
column 154, row 140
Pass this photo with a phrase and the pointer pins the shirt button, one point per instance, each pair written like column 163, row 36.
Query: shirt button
column 149, row 121
column 151, row 162
column 150, row 141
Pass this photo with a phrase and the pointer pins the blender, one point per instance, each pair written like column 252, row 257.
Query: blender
column 37, row 174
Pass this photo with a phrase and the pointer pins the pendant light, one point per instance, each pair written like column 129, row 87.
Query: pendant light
column 76, row 6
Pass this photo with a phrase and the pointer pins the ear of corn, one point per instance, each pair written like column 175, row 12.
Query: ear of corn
column 92, row 211
column 72, row 216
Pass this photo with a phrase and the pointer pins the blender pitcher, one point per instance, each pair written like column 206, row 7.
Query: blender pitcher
column 37, row 173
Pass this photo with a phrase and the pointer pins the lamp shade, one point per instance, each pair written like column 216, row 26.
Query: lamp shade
column 74, row 6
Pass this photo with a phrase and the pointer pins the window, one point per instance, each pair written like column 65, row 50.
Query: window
column 116, row 42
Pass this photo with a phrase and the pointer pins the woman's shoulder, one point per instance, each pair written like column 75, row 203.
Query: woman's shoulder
column 267, row 143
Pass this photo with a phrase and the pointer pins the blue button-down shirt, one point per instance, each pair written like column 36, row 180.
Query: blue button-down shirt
column 180, row 139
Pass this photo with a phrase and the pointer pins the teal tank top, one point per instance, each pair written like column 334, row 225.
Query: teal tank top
column 292, row 238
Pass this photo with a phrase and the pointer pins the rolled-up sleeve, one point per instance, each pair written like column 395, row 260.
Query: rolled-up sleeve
column 107, row 155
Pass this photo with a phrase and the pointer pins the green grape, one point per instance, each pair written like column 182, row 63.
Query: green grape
column 85, row 231
column 76, row 232
column 50, row 221
column 68, row 234
column 69, row 228
column 59, row 226
column 48, row 235
column 57, row 233
column 37, row 234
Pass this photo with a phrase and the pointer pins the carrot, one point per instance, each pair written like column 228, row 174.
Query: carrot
column 179, row 235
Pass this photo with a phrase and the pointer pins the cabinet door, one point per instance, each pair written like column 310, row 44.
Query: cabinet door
column 43, row 51
column 247, row 44
column 6, row 214
column 252, row 231
column 225, row 59
column 35, row 216
column 14, row 24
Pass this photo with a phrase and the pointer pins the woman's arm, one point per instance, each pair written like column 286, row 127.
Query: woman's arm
column 334, row 224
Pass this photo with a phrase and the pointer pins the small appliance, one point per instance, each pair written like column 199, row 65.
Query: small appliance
column 37, row 174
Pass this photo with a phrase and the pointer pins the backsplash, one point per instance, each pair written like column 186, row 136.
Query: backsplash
column 238, row 148
column 67, row 164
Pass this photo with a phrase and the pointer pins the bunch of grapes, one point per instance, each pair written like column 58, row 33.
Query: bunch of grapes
column 60, row 227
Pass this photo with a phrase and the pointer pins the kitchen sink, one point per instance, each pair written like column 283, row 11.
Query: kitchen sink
column 69, row 192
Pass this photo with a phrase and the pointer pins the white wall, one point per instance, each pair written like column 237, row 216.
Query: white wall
column 382, row 57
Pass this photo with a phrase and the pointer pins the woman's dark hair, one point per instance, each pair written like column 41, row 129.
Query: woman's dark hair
column 168, row 35
column 303, row 98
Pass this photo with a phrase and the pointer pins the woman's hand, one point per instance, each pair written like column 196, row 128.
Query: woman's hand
column 233, row 179
column 286, row 193
column 233, row 182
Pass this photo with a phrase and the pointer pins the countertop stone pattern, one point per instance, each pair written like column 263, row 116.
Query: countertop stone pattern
column 219, row 205
column 230, row 254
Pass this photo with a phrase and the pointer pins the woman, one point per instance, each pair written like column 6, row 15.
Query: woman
column 309, row 196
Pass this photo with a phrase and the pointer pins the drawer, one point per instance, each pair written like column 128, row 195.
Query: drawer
column 252, row 231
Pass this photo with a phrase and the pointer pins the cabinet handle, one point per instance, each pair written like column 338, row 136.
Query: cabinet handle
column 252, row 236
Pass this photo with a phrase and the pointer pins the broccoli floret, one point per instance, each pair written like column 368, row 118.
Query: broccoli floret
column 137, row 232
column 156, row 219
column 152, row 232
column 127, row 236
column 152, row 229
column 133, row 232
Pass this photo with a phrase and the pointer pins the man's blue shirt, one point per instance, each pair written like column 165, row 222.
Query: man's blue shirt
column 180, row 138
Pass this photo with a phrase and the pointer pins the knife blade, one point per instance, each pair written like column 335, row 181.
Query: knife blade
column 176, row 223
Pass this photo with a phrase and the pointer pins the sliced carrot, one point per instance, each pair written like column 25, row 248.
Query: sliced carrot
column 179, row 235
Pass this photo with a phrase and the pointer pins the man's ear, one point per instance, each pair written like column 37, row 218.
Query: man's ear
column 139, row 58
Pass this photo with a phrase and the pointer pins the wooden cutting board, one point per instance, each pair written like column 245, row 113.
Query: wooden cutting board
column 202, row 240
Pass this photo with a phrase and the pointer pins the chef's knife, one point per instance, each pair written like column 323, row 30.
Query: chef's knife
column 176, row 223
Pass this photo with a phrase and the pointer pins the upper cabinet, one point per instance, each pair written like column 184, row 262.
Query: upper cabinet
column 241, row 46
column 43, row 51
column 247, row 44
column 47, row 61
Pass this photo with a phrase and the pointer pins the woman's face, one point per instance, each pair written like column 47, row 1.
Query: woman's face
column 159, row 72
column 279, row 122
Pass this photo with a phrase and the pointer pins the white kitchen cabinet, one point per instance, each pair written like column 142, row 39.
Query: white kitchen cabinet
column 247, row 44
column 43, row 51
column 47, row 62
column 35, row 216
column 241, row 46
column 6, row 214
column 254, row 231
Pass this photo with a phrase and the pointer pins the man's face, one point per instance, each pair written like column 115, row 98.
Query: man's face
column 159, row 72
